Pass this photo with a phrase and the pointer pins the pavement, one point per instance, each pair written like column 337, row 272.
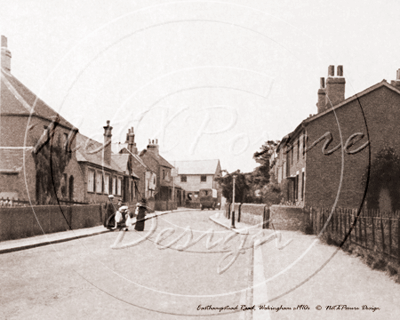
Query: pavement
column 257, row 293
column 57, row 237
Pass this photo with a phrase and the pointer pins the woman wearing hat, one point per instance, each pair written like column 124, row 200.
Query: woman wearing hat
column 110, row 213
column 141, row 214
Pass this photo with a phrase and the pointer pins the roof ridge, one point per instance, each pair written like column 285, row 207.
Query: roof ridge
column 16, row 93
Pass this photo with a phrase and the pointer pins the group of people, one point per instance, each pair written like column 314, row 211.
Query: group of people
column 119, row 216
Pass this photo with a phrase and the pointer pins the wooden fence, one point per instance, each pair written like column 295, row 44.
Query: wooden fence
column 373, row 230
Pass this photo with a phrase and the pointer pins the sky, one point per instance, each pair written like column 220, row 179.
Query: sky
column 208, row 79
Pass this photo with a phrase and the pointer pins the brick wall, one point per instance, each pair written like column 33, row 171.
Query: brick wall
column 21, row 222
column 287, row 218
column 324, row 181
column 252, row 213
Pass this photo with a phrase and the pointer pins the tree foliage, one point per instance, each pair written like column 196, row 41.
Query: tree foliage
column 384, row 173
column 261, row 175
column 241, row 186
column 51, row 160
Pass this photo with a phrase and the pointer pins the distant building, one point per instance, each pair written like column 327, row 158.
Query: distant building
column 325, row 160
column 196, row 175
column 160, row 177
column 146, row 185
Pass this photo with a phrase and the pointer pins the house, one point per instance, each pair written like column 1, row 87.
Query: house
column 105, row 173
column 146, row 185
column 196, row 175
column 161, row 181
column 330, row 158
column 32, row 136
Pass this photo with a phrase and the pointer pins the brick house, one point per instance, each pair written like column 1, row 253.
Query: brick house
column 105, row 173
column 27, row 124
column 196, row 175
column 325, row 160
column 161, row 180
column 146, row 185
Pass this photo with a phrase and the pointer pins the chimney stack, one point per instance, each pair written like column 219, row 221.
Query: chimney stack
column 153, row 147
column 396, row 83
column 131, row 142
column 321, row 96
column 107, row 143
column 334, row 87
column 5, row 55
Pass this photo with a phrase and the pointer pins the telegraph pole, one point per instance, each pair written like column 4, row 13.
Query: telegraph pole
column 233, row 202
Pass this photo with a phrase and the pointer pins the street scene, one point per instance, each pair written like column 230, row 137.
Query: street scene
column 199, row 160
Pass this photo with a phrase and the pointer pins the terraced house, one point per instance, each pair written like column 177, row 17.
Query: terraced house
column 328, row 159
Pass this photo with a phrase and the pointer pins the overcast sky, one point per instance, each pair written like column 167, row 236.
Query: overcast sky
column 208, row 79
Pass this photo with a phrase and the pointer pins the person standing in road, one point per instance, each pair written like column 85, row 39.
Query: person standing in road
column 109, row 220
column 141, row 209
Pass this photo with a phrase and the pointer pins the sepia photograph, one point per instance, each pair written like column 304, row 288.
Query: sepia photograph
column 199, row 159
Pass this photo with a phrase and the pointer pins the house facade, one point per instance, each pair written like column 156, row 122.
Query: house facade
column 330, row 156
column 29, row 130
column 146, row 184
column 196, row 175
column 105, row 173
column 160, row 176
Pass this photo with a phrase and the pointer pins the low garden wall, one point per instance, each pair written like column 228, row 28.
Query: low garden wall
column 288, row 218
column 22, row 222
column 252, row 213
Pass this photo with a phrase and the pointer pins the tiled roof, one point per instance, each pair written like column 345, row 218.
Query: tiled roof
column 164, row 162
column 197, row 166
column 89, row 150
column 18, row 99
column 161, row 161
column 122, row 161
column 12, row 159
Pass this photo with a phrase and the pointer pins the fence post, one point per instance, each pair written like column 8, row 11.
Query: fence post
column 348, row 216
column 365, row 232
column 398, row 239
column 390, row 236
column 383, row 236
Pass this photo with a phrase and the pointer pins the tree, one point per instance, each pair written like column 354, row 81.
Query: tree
column 261, row 175
column 241, row 186
column 51, row 159
column 384, row 174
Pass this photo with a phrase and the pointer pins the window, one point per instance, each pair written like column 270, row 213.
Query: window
column 71, row 188
column 90, row 186
column 99, row 182
column 298, row 149
column 114, row 185
column 119, row 189
column 163, row 174
column 203, row 178
column 183, row 178
column 64, row 186
column 304, row 144
column 302, row 185
column 107, row 184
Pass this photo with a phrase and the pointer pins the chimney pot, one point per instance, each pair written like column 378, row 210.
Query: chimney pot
column 339, row 71
column 3, row 41
column 322, row 83
column 107, row 143
column 5, row 55
column 398, row 74
column 331, row 71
